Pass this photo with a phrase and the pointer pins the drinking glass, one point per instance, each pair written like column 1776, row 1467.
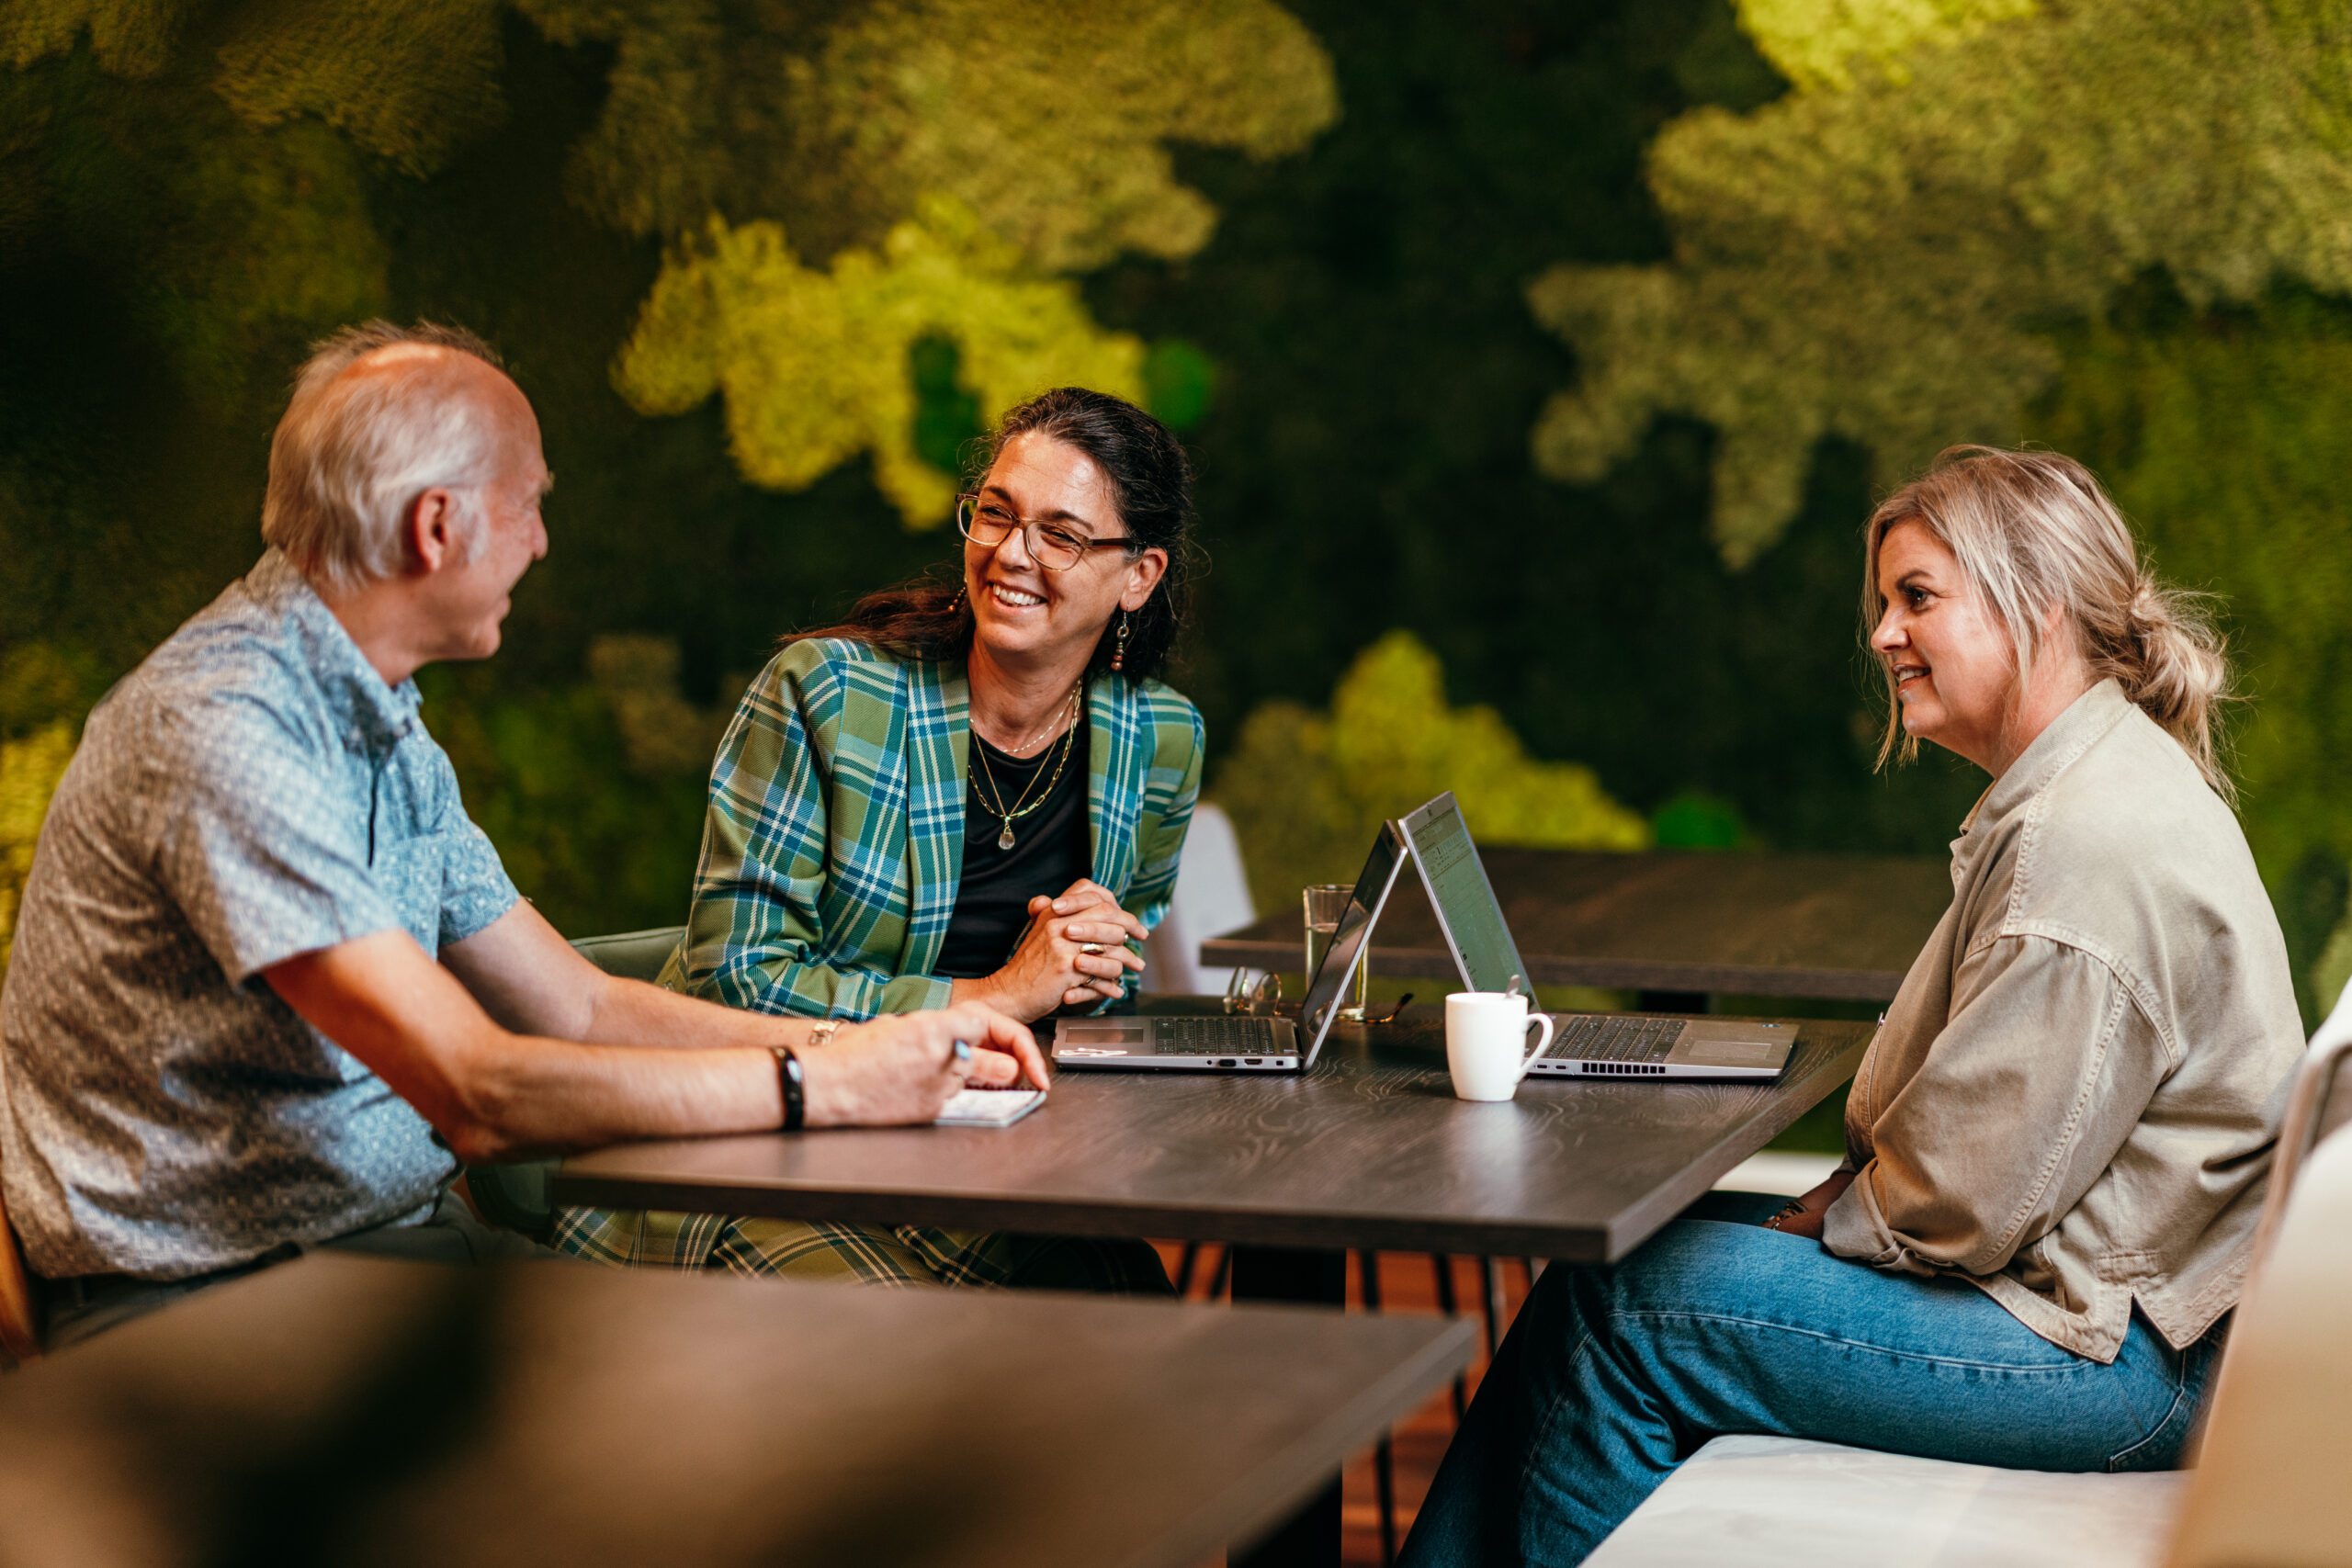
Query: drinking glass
column 1325, row 905
column 1246, row 990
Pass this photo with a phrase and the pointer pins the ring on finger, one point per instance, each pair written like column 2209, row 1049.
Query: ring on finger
column 1091, row 949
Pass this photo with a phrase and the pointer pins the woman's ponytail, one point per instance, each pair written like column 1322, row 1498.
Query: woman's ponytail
column 2171, row 661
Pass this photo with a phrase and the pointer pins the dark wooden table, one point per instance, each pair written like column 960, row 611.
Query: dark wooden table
column 354, row 1410
column 1690, row 922
column 1370, row 1149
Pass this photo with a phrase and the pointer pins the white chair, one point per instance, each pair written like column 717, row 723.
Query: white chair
column 2338, row 1027
column 2268, row 1488
column 1212, row 898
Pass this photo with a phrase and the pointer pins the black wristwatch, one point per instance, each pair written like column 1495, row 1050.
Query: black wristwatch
column 792, row 1078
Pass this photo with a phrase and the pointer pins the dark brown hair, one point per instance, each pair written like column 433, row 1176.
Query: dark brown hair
column 1151, row 485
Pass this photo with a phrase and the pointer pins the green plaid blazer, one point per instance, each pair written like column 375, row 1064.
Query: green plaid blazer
column 834, row 838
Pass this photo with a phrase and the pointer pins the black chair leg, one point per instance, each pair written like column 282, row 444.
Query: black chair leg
column 1383, row 1453
column 1490, row 1278
column 1224, row 1273
column 1449, row 1305
column 1184, row 1266
column 1383, row 1472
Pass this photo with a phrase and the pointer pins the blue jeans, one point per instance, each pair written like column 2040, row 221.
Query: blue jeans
column 1613, row 1375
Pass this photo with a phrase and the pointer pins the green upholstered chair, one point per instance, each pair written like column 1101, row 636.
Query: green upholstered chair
column 633, row 955
column 514, row 1195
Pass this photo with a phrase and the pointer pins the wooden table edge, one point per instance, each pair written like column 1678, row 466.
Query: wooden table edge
column 1640, row 1222
column 1098, row 1217
column 799, row 1200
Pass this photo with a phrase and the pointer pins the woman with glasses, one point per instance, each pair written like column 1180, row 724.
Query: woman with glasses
column 973, row 791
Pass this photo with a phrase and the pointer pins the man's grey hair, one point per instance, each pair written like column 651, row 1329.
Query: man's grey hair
column 351, row 455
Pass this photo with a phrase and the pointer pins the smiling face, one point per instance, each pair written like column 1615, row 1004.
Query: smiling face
column 1954, row 665
column 1023, row 613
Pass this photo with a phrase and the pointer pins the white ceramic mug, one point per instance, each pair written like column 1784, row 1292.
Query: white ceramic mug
column 1486, row 1042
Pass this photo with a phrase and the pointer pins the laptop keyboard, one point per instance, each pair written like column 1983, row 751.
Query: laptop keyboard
column 1599, row 1037
column 1209, row 1037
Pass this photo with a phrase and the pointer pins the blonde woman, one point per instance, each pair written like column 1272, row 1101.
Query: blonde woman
column 2058, row 1139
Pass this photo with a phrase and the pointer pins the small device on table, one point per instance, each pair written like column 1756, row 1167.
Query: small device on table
column 988, row 1107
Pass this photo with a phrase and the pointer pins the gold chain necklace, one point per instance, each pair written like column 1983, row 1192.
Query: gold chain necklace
column 1023, row 806
column 1048, row 728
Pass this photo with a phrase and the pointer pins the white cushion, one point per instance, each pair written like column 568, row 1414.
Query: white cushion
column 1787, row 1503
column 1778, row 1172
column 2271, row 1486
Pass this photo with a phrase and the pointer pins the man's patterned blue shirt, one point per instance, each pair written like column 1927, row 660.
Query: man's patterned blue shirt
column 251, row 792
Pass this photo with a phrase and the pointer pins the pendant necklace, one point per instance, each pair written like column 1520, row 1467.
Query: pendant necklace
column 1023, row 806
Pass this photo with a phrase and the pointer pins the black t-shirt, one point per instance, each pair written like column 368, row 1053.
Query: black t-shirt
column 1051, row 848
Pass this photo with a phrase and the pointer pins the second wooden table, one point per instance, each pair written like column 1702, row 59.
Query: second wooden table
column 1692, row 922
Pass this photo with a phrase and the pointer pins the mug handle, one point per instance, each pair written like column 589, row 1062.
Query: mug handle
column 1534, row 1019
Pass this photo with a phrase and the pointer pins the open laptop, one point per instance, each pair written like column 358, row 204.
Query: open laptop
column 1586, row 1046
column 1227, row 1043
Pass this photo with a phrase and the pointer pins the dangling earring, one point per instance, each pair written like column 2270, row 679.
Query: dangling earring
column 957, row 603
column 1119, row 653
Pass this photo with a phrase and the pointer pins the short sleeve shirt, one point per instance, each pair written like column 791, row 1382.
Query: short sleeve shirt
column 254, row 791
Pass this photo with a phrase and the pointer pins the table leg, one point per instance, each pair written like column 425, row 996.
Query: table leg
column 1310, row 1538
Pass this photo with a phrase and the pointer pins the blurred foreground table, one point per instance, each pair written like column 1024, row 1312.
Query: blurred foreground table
column 1679, row 923
column 1371, row 1149
column 353, row 1410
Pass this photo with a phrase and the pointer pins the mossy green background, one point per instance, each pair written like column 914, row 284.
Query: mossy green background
column 1352, row 353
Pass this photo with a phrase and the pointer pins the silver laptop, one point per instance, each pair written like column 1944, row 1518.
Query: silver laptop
column 1222, row 1043
column 1588, row 1045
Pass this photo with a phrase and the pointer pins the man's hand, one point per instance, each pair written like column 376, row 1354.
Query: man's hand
column 902, row 1068
column 498, row 1087
column 1804, row 1216
column 1050, row 968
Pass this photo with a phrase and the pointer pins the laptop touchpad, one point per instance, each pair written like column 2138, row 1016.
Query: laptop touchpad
column 1733, row 1054
column 1110, row 1031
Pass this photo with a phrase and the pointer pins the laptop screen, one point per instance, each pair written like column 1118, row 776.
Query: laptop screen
column 1464, row 901
column 1330, row 981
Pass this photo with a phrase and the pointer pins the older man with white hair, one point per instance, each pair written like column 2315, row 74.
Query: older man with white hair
column 270, row 984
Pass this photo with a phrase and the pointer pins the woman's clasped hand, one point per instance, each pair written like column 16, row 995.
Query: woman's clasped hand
column 1807, row 1214
column 1074, row 953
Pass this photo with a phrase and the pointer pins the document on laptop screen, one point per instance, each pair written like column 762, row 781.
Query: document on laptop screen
column 1457, row 886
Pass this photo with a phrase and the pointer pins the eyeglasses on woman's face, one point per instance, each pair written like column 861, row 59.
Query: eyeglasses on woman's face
column 988, row 523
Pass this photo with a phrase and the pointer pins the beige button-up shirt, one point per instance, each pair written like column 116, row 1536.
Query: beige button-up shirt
column 2072, row 1100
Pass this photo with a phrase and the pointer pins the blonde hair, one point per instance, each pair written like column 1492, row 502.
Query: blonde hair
column 2034, row 529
